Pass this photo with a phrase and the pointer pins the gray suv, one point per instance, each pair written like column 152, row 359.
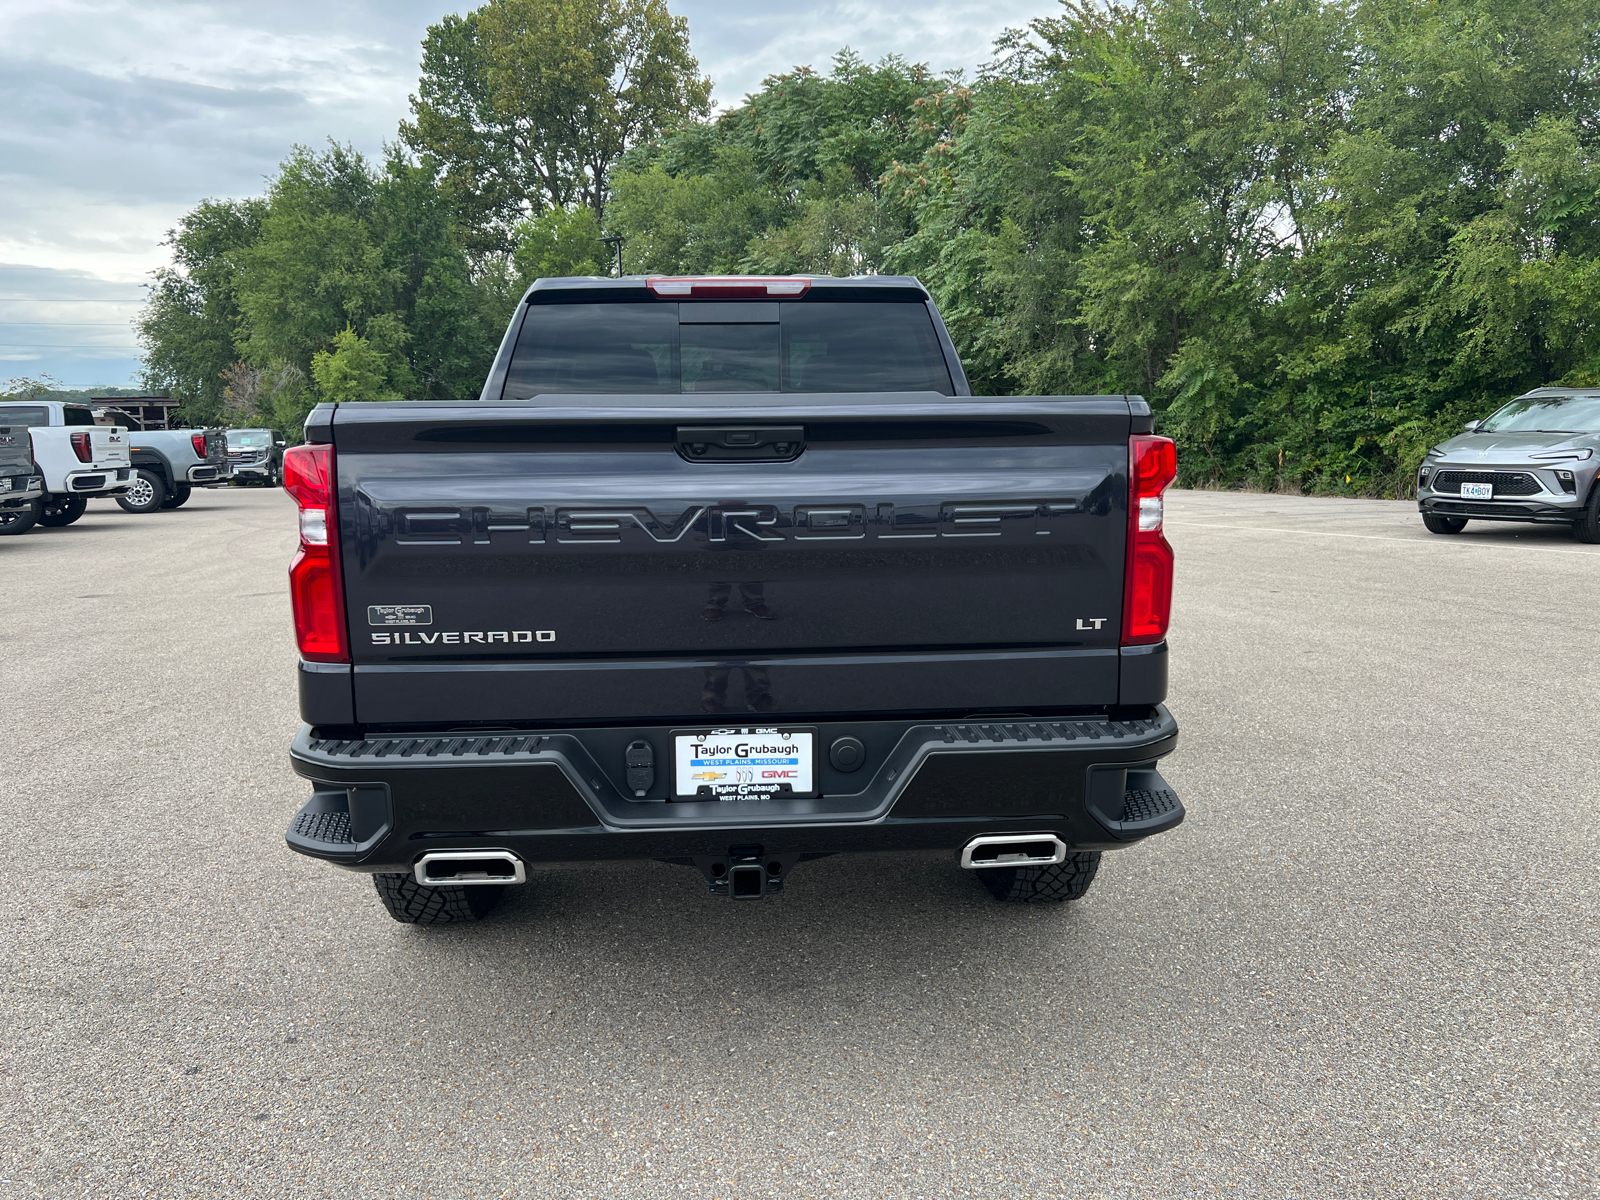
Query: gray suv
column 1535, row 459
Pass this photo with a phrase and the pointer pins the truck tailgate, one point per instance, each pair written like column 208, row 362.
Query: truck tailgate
column 109, row 447
column 583, row 560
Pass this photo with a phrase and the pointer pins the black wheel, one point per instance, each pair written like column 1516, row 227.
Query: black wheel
column 1587, row 527
column 180, row 496
column 56, row 511
column 1043, row 885
column 18, row 520
column 410, row 902
column 148, row 493
column 1434, row 523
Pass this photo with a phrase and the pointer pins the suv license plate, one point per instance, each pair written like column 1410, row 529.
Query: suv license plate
column 1477, row 491
column 744, row 764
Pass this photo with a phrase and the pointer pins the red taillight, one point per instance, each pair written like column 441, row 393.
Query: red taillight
column 1147, row 590
column 315, row 587
column 199, row 441
column 81, row 447
column 729, row 285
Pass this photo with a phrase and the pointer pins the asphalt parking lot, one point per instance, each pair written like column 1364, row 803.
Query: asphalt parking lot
column 1365, row 965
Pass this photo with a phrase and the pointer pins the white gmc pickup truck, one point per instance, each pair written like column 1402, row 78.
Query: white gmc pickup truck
column 77, row 458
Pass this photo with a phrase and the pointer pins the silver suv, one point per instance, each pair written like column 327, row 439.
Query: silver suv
column 1535, row 459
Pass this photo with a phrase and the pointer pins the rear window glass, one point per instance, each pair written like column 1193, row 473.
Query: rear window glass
column 24, row 415
column 76, row 414
column 653, row 348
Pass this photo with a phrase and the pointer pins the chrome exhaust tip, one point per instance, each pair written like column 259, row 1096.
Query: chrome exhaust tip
column 1013, row 850
column 456, row 868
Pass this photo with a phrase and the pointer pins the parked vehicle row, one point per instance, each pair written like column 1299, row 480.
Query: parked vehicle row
column 56, row 456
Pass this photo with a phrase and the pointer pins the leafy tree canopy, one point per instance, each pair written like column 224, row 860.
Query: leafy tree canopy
column 337, row 243
column 353, row 370
column 524, row 105
column 1316, row 234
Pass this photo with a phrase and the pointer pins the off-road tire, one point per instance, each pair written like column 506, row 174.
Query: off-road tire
column 56, row 511
column 408, row 901
column 1434, row 523
column 148, row 493
column 1587, row 527
column 1042, row 885
column 180, row 496
column 18, row 520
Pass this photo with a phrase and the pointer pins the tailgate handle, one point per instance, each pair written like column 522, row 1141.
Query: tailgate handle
column 741, row 443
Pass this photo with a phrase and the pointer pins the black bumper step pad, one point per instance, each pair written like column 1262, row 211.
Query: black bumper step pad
column 1138, row 807
column 332, row 828
column 502, row 746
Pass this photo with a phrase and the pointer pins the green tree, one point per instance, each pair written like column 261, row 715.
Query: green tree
column 336, row 242
column 353, row 370
column 192, row 317
column 798, row 178
column 560, row 241
column 27, row 387
column 1316, row 235
column 525, row 105
column 344, row 244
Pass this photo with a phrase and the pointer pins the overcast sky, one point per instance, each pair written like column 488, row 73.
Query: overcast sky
column 117, row 116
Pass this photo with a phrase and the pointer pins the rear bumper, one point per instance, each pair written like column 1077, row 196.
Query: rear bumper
column 21, row 491
column 99, row 481
column 208, row 473
column 380, row 803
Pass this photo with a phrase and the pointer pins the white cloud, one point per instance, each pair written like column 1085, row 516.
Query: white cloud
column 117, row 116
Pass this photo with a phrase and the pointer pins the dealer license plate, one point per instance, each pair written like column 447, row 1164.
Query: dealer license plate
column 744, row 764
column 1477, row 491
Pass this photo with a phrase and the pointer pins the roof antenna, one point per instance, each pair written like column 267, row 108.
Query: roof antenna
column 615, row 241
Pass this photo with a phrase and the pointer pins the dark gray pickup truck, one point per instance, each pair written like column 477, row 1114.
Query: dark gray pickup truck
column 729, row 572
column 21, row 485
